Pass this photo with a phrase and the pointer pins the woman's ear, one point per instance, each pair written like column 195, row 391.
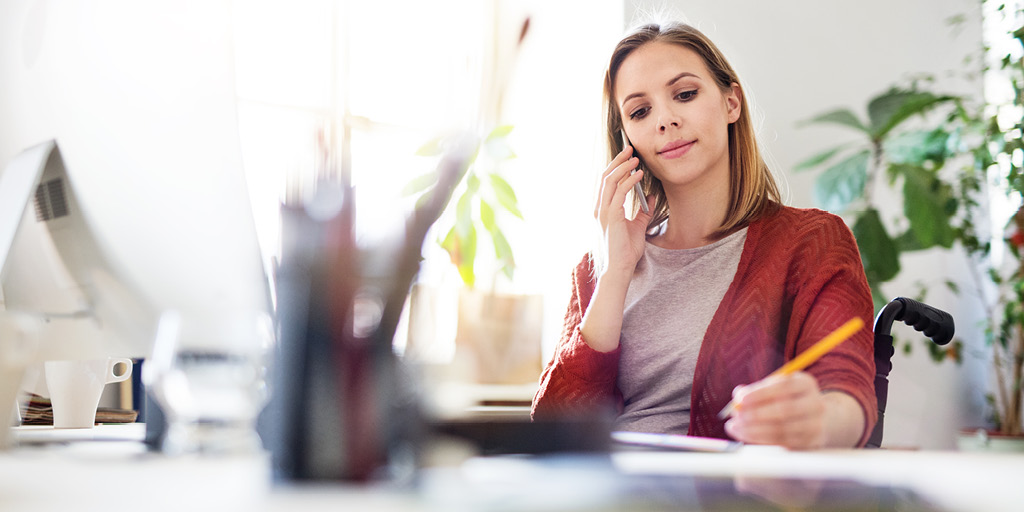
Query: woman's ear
column 734, row 102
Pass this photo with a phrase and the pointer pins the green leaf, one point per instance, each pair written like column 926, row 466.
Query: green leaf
column 503, row 251
column 925, row 205
column 841, row 117
column 917, row 147
column 450, row 244
column 462, row 252
column 419, row 184
column 467, row 248
column 891, row 108
column 877, row 297
column 907, row 241
column 505, row 195
column 499, row 132
column 432, row 147
column 818, row 159
column 877, row 250
column 472, row 183
column 842, row 183
column 487, row 216
column 953, row 286
column 464, row 215
column 936, row 353
column 499, row 149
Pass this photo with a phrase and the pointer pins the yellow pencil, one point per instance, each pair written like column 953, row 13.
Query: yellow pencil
column 822, row 347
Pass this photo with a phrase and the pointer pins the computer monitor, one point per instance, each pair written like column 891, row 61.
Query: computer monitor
column 52, row 267
column 129, row 109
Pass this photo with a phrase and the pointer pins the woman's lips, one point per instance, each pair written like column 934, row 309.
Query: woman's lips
column 676, row 149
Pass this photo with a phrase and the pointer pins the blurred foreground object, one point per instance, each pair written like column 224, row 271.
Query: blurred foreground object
column 340, row 409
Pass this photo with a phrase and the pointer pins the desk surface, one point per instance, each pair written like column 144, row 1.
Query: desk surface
column 113, row 470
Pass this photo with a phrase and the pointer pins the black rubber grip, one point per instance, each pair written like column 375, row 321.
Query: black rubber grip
column 934, row 323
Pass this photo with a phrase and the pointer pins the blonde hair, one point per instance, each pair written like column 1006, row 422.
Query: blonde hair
column 752, row 188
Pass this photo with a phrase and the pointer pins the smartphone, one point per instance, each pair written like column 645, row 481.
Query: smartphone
column 636, row 188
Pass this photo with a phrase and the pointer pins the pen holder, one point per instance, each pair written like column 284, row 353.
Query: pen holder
column 339, row 410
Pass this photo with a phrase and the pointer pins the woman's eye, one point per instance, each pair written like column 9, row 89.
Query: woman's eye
column 639, row 113
column 687, row 95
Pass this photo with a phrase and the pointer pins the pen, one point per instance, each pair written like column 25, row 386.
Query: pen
column 822, row 347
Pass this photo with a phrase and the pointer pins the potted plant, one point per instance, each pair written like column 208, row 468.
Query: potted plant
column 960, row 166
column 894, row 145
column 483, row 197
column 498, row 333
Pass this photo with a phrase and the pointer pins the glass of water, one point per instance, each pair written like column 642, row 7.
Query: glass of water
column 208, row 373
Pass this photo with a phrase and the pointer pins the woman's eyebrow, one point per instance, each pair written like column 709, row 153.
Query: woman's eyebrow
column 680, row 76
column 631, row 96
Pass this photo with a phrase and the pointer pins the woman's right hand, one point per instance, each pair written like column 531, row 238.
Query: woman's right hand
column 624, row 244
column 623, row 237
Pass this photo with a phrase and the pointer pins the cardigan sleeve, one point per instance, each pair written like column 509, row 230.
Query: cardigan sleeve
column 578, row 379
column 834, row 290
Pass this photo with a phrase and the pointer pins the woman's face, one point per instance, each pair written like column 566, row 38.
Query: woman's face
column 675, row 115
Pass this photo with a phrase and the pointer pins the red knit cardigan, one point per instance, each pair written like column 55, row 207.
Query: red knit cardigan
column 799, row 277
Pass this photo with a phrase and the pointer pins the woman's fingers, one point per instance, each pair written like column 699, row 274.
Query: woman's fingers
column 787, row 411
column 624, row 157
column 615, row 185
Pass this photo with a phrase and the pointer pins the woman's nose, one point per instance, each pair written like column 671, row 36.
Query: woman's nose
column 665, row 123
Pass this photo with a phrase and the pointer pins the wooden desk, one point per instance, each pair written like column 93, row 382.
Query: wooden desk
column 113, row 471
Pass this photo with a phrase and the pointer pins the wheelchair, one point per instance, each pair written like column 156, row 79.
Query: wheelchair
column 936, row 324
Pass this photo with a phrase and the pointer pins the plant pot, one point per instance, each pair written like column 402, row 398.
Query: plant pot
column 982, row 439
column 501, row 335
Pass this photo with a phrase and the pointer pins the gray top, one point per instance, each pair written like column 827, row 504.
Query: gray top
column 670, row 302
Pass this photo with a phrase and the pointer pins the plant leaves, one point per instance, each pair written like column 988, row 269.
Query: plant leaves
column 818, row 159
column 877, row 250
column 419, row 184
column 505, row 195
column 499, row 132
column 487, row 216
column 917, row 147
column 926, row 204
column 952, row 286
column 451, row 245
column 841, row 117
column 889, row 109
column 499, row 149
column 907, row 241
column 462, row 252
column 877, row 297
column 464, row 214
column 503, row 251
column 842, row 183
column 467, row 247
column 432, row 147
column 472, row 183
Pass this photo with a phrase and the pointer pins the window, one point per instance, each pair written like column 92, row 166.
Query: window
column 392, row 75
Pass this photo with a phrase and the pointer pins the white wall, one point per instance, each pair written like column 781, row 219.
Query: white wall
column 800, row 58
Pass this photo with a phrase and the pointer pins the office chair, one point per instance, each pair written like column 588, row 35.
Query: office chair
column 934, row 323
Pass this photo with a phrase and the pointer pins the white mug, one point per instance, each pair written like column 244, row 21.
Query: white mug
column 75, row 388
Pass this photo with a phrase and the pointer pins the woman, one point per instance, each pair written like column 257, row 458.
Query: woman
column 694, row 303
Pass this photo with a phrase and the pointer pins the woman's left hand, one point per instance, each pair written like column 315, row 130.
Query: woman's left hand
column 785, row 410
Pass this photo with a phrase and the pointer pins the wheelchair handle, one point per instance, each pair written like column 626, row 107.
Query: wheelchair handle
column 934, row 323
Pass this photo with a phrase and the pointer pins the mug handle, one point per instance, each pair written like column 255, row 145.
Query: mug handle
column 112, row 365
